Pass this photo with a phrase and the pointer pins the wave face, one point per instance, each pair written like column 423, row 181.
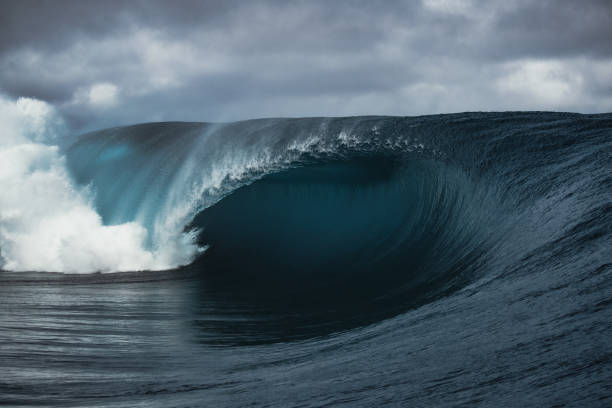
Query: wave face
column 450, row 259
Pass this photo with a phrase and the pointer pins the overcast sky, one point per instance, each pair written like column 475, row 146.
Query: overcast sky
column 105, row 63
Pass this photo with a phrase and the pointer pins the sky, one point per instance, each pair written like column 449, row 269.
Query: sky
column 108, row 63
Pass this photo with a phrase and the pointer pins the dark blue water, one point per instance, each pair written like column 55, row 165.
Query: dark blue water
column 451, row 260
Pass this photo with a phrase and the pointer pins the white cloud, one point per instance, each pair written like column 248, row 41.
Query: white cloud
column 462, row 7
column 103, row 95
column 548, row 84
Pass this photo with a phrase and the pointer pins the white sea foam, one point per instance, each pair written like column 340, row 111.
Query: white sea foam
column 46, row 222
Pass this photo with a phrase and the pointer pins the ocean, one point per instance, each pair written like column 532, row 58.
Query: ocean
column 445, row 260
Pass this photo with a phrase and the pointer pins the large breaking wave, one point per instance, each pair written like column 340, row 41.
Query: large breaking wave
column 447, row 259
column 430, row 195
column 282, row 194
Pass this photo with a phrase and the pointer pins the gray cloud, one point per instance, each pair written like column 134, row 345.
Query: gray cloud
column 116, row 62
column 556, row 28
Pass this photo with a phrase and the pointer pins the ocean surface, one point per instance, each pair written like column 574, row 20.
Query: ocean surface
column 446, row 260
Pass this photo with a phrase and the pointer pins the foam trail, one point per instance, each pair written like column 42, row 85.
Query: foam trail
column 46, row 223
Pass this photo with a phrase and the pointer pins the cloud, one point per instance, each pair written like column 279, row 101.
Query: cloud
column 126, row 62
column 547, row 83
column 464, row 7
column 103, row 95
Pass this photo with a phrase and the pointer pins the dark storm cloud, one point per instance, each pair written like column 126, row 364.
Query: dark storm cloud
column 50, row 24
column 556, row 27
column 112, row 62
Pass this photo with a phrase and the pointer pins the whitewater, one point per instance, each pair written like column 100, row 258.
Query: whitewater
column 47, row 223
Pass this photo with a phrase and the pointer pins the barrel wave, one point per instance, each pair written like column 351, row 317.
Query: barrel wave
column 453, row 259
column 337, row 181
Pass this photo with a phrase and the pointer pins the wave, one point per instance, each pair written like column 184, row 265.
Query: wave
column 430, row 195
column 459, row 256
column 163, row 175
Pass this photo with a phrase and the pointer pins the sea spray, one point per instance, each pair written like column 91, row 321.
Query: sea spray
column 47, row 223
